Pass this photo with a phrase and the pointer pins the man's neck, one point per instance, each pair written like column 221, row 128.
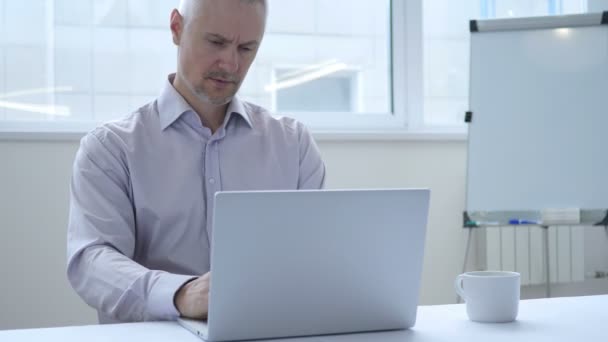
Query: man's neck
column 211, row 116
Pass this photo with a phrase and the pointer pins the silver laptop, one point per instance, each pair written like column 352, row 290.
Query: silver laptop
column 302, row 263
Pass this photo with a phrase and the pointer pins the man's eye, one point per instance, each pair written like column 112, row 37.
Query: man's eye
column 216, row 42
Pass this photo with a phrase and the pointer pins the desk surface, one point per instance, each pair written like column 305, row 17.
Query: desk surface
column 555, row 319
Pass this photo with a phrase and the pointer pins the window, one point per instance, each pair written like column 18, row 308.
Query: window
column 369, row 65
column 68, row 65
column 341, row 61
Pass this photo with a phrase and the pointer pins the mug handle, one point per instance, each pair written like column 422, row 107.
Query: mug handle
column 458, row 286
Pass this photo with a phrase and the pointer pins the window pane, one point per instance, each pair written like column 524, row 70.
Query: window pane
column 333, row 49
column 82, row 61
column 94, row 60
column 333, row 94
column 446, row 47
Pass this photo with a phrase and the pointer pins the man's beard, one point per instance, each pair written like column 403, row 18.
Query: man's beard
column 203, row 96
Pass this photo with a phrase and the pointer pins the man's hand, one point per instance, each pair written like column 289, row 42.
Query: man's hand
column 192, row 299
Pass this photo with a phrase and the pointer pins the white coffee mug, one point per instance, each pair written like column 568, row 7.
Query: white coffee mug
column 490, row 296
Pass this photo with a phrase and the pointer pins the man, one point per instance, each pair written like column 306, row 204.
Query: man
column 142, row 191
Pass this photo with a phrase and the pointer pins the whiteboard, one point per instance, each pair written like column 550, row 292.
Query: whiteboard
column 539, row 100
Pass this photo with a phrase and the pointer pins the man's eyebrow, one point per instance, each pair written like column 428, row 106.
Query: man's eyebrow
column 226, row 40
column 218, row 37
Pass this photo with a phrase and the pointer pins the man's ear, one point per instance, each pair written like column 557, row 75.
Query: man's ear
column 177, row 26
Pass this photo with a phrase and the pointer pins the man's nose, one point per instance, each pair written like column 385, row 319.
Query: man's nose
column 229, row 60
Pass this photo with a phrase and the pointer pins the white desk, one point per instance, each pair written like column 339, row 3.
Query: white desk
column 555, row 319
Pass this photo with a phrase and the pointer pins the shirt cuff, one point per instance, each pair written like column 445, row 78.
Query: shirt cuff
column 160, row 300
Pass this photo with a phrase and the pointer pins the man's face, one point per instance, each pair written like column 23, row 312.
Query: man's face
column 217, row 46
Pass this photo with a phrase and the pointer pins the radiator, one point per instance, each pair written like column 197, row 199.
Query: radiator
column 521, row 249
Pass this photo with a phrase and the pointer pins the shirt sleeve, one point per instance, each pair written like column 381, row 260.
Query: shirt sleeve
column 101, row 241
column 312, row 168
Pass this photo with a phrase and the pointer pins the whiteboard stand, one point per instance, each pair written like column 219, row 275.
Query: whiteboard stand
column 499, row 219
column 546, row 254
column 547, row 268
column 466, row 257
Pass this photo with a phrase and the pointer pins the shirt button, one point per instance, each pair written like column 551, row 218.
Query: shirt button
column 212, row 180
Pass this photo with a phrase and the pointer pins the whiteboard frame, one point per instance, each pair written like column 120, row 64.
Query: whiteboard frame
column 589, row 216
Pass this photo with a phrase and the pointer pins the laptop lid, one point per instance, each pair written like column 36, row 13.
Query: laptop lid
column 300, row 263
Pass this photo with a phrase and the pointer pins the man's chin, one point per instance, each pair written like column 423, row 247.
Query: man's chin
column 215, row 100
column 221, row 101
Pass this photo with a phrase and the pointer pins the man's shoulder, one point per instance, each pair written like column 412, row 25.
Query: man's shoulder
column 124, row 131
column 273, row 124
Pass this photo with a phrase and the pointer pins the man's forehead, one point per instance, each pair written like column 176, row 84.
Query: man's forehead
column 240, row 33
column 238, row 25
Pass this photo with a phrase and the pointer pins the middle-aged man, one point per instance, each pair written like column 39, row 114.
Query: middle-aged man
column 142, row 189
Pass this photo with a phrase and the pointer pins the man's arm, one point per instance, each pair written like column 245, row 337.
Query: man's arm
column 312, row 168
column 101, row 241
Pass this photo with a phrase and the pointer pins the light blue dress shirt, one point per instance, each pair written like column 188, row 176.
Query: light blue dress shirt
column 142, row 193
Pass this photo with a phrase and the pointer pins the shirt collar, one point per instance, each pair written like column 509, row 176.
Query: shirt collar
column 237, row 107
column 171, row 106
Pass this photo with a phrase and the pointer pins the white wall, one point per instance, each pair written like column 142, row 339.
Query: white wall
column 34, row 178
column 34, row 291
